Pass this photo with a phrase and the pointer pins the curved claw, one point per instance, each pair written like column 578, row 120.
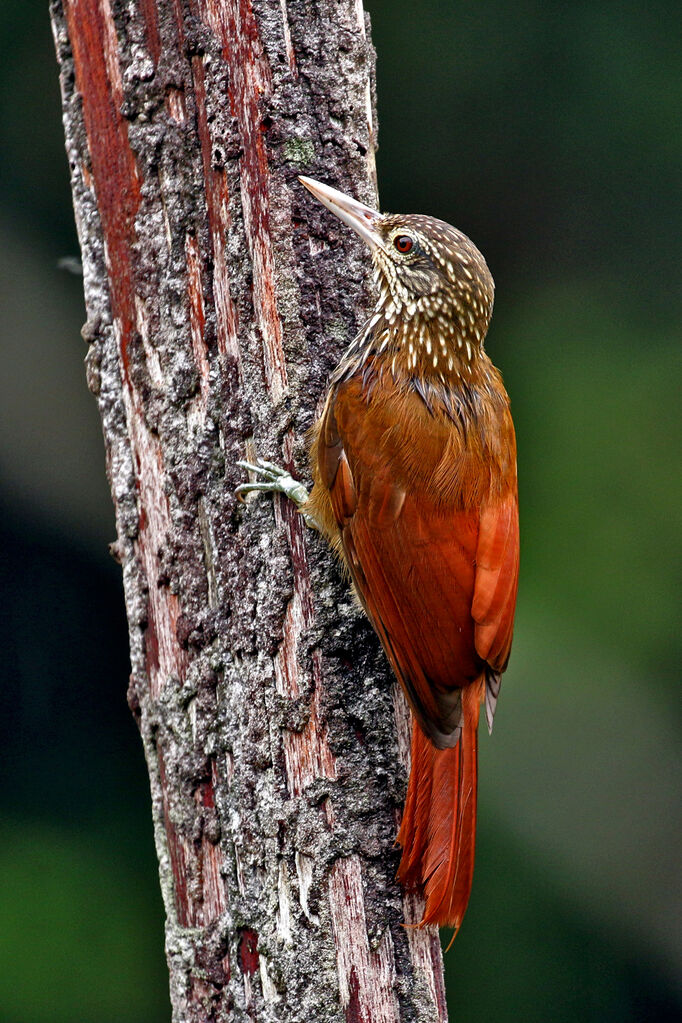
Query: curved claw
column 274, row 479
column 250, row 488
column 261, row 466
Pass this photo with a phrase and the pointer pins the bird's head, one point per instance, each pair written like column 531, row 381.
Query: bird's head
column 427, row 270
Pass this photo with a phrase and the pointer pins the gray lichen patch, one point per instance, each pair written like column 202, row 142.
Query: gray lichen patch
column 300, row 151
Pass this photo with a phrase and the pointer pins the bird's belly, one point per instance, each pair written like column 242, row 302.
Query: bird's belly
column 408, row 503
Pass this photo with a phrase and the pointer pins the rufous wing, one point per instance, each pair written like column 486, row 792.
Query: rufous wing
column 414, row 563
column 494, row 603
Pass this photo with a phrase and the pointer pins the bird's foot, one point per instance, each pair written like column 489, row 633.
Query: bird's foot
column 271, row 478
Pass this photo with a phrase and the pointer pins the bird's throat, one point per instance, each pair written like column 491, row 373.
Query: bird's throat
column 438, row 350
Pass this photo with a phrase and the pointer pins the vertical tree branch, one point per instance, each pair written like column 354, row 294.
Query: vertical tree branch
column 219, row 297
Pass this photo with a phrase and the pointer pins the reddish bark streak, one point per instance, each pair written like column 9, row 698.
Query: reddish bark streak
column 365, row 974
column 163, row 606
column 306, row 753
column 113, row 165
column 174, row 850
column 248, row 951
column 291, row 56
column 197, row 318
column 234, row 23
column 175, row 104
column 117, row 188
column 151, row 20
column 354, row 1013
column 206, row 794
column 179, row 21
column 217, row 205
column 213, row 894
column 199, row 888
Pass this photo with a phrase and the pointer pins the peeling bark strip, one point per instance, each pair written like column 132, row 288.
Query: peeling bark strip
column 219, row 297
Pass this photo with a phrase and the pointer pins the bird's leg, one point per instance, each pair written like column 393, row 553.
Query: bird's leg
column 271, row 478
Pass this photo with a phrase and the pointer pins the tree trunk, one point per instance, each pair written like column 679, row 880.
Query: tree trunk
column 219, row 296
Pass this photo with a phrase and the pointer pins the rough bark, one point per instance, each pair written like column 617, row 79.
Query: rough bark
column 219, row 297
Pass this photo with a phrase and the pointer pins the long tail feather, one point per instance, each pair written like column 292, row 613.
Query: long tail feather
column 438, row 830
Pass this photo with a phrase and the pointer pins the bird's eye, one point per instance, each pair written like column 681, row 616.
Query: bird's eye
column 403, row 243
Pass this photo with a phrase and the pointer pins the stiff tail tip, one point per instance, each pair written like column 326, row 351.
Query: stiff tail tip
column 438, row 830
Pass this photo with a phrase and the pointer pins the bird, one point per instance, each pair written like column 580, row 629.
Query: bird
column 414, row 472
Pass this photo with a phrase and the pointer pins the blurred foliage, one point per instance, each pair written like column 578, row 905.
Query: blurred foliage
column 80, row 938
column 550, row 134
column 81, row 927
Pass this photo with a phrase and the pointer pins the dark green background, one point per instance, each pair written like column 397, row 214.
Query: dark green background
column 550, row 133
